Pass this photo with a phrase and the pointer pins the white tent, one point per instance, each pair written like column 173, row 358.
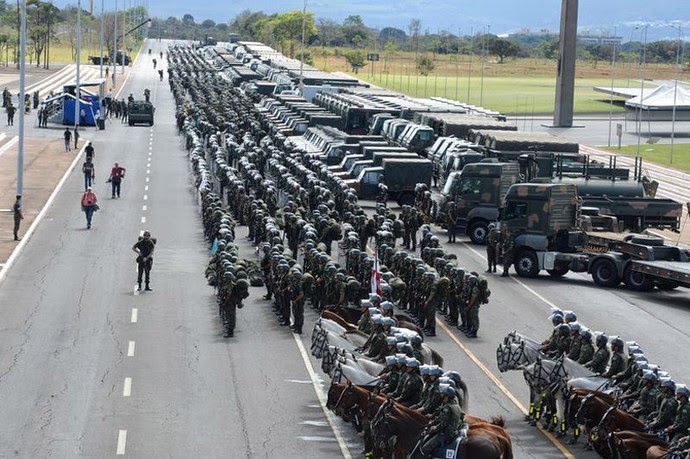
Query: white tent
column 657, row 104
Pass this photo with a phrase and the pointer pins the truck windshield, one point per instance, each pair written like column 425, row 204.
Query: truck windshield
column 515, row 210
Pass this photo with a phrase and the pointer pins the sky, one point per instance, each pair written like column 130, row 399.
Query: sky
column 464, row 16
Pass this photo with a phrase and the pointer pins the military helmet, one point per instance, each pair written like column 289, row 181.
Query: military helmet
column 618, row 343
column 411, row 362
column 585, row 334
column 649, row 376
column 374, row 298
column 416, row 339
column 391, row 341
column 243, row 284
column 388, row 322
column 569, row 316
column 602, row 339
column 669, row 384
column 365, row 304
column 340, row 276
column 563, row 328
column 435, row 370
column 405, row 347
column 453, row 376
column 575, row 327
column 448, row 391
column 391, row 360
column 424, row 370
column 556, row 317
column 377, row 319
column 683, row 390
column 386, row 305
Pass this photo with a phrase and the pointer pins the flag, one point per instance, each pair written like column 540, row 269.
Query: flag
column 376, row 276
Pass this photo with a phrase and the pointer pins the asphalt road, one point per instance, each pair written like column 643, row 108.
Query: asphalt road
column 91, row 369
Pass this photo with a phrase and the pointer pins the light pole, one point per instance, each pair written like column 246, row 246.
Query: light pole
column 102, row 15
column 675, row 95
column 78, row 96
column 114, row 56
column 301, row 60
column 22, row 92
column 644, row 59
column 613, row 75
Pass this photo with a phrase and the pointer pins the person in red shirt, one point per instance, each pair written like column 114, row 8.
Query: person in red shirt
column 89, row 205
column 117, row 173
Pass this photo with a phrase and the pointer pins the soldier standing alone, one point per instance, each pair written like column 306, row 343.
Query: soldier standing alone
column 491, row 244
column 144, row 250
column 508, row 247
column 18, row 216
column 452, row 218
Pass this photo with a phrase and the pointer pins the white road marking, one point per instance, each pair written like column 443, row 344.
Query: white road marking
column 9, row 144
column 121, row 442
column 130, row 349
column 141, row 233
column 127, row 389
column 143, row 208
column 148, row 171
column 330, row 417
column 146, row 196
column 136, row 290
column 147, row 180
column 146, row 188
column 143, row 219
column 135, row 313
column 148, row 164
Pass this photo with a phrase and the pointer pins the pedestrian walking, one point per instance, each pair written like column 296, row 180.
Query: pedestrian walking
column 36, row 99
column 108, row 101
column 144, row 249
column 18, row 216
column 89, row 151
column 89, row 171
column 89, row 204
column 11, row 110
column 82, row 119
column 117, row 173
column 76, row 136
column 68, row 139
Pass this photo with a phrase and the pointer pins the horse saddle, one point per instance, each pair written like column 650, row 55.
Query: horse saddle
column 454, row 449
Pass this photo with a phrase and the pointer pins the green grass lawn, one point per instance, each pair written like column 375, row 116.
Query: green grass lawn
column 660, row 154
column 521, row 96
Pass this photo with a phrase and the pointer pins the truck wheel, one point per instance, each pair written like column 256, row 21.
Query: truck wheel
column 605, row 274
column 558, row 272
column 406, row 199
column 131, row 123
column 478, row 232
column 637, row 281
column 151, row 123
column 526, row 264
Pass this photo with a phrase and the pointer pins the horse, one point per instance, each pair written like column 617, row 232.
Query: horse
column 355, row 375
column 572, row 405
column 513, row 355
column 627, row 444
column 397, row 430
column 613, row 420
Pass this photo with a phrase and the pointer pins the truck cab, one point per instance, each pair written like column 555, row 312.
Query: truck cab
column 140, row 111
column 416, row 137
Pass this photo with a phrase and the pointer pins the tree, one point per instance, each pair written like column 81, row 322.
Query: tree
column 188, row 20
column 355, row 33
column 425, row 65
column 502, row 48
column 286, row 30
column 208, row 24
column 356, row 58
column 246, row 22
column 391, row 33
column 330, row 32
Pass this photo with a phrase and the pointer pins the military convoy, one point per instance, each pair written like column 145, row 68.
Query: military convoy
column 140, row 111
column 479, row 189
column 547, row 230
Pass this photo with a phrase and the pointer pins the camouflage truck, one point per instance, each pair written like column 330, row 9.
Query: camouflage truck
column 399, row 175
column 480, row 188
column 549, row 231
column 140, row 111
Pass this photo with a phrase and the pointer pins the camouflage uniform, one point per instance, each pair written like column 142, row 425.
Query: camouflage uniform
column 411, row 390
column 618, row 362
column 666, row 412
column 491, row 245
column 681, row 422
column 599, row 361
column 443, row 428
column 586, row 351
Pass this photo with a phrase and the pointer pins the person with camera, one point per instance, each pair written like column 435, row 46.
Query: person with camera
column 117, row 173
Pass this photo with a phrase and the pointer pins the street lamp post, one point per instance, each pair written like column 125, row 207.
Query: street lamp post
column 301, row 61
column 675, row 96
column 22, row 92
column 77, row 103
column 639, row 117
column 114, row 56
column 102, row 15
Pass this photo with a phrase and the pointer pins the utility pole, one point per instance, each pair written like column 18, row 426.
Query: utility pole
column 77, row 104
column 102, row 19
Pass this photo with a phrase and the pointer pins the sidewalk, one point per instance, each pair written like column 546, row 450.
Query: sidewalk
column 45, row 163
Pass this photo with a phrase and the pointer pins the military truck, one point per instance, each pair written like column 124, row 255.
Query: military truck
column 478, row 192
column 399, row 175
column 549, row 232
column 140, row 111
column 416, row 138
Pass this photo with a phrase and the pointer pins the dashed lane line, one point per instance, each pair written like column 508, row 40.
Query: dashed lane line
column 135, row 314
column 121, row 442
column 143, row 219
column 143, row 208
column 146, row 197
column 130, row 349
column 127, row 388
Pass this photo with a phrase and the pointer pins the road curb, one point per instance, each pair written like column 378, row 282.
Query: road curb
column 27, row 236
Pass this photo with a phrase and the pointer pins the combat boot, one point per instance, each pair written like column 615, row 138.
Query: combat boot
column 147, row 288
column 139, row 287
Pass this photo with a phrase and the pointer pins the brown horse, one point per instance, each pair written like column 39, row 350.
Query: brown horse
column 628, row 444
column 612, row 421
column 572, row 405
column 396, row 431
column 331, row 315
column 657, row 452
